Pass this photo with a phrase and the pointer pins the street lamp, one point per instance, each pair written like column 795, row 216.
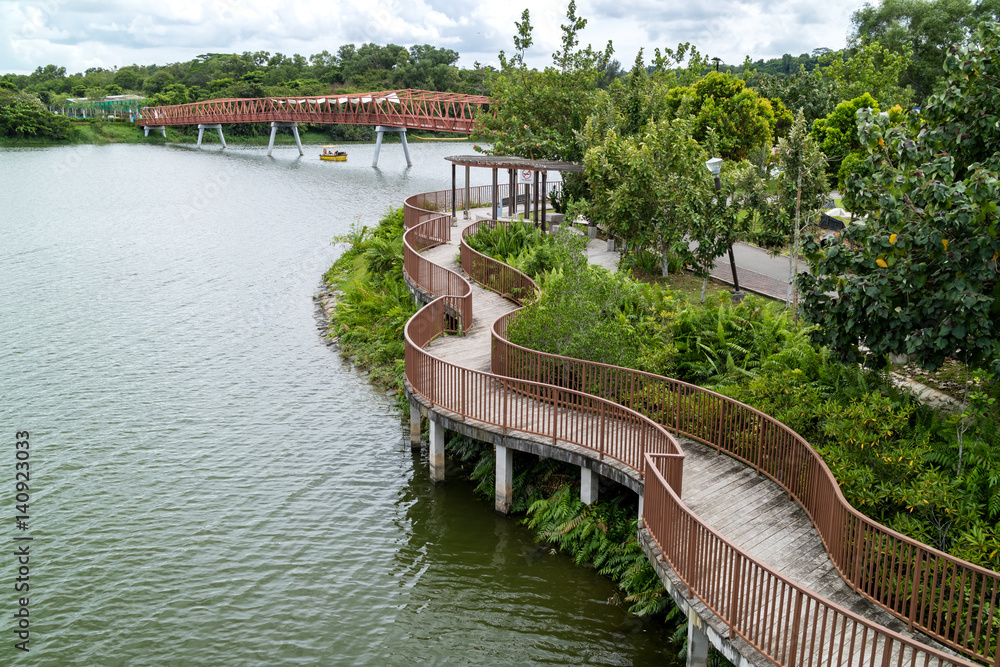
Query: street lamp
column 715, row 166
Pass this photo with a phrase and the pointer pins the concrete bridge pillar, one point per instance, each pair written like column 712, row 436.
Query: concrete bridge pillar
column 201, row 133
column 436, row 453
column 697, row 648
column 505, row 478
column 414, row 426
column 161, row 128
column 381, row 130
column 588, row 486
column 294, row 127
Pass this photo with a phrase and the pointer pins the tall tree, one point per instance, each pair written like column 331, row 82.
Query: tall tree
column 538, row 114
column 921, row 276
column 653, row 190
column 930, row 27
column 802, row 190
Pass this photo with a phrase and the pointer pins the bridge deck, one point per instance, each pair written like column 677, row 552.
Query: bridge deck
column 752, row 511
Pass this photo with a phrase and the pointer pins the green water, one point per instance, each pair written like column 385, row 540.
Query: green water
column 211, row 484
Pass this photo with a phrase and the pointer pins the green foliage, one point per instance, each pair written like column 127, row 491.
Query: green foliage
column 584, row 314
column 837, row 134
column 723, row 342
column 873, row 70
column 375, row 303
column 921, row 276
column 23, row 117
column 929, row 27
column 653, row 190
column 602, row 535
column 739, row 117
column 538, row 114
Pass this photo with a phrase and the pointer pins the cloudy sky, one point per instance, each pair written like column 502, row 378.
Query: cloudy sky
column 79, row 34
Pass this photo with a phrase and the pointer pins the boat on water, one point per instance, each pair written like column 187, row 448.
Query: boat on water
column 331, row 154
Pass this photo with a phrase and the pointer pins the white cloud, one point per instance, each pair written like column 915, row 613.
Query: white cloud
column 107, row 33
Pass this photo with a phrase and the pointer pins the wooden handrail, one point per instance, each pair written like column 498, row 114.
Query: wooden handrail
column 880, row 563
column 944, row 597
column 786, row 622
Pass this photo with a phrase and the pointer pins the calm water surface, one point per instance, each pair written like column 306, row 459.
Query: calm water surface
column 211, row 484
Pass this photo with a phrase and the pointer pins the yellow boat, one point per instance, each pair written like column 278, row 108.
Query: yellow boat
column 331, row 154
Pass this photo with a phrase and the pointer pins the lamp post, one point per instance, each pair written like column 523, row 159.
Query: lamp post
column 715, row 166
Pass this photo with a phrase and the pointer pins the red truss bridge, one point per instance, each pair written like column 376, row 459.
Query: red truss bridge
column 388, row 110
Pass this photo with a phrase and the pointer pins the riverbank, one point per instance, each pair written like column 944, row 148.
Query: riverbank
column 100, row 132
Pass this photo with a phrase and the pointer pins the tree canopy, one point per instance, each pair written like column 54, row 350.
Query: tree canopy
column 920, row 275
column 928, row 27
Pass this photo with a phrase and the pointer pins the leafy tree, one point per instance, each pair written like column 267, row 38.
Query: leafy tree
column 872, row 70
column 538, row 114
column 720, row 104
column 921, row 276
column 807, row 90
column 802, row 189
column 653, row 190
column 21, row 116
column 930, row 27
column 837, row 134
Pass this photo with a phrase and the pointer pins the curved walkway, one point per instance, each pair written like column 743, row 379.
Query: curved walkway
column 807, row 614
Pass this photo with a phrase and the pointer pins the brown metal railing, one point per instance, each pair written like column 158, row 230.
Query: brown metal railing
column 786, row 622
column 944, row 597
column 606, row 428
column 495, row 276
column 433, row 278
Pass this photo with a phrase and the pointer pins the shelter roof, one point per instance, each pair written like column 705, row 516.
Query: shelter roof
column 507, row 162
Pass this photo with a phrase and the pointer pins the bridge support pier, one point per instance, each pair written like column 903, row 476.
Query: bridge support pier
column 414, row 426
column 201, row 133
column 697, row 648
column 381, row 130
column 436, row 453
column 161, row 128
column 505, row 478
column 294, row 127
column 588, row 486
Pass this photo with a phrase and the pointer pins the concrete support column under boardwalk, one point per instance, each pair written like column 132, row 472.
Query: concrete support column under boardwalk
column 294, row 127
column 381, row 130
column 161, row 128
column 201, row 133
column 505, row 478
column 436, row 453
column 414, row 426
column 588, row 486
column 697, row 648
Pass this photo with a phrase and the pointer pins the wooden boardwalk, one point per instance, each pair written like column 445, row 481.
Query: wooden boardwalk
column 750, row 510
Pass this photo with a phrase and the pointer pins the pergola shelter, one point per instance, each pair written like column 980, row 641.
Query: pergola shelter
column 518, row 169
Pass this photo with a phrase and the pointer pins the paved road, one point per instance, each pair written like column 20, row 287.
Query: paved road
column 758, row 271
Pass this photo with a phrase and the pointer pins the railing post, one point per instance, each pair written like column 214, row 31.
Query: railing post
column 692, row 563
column 918, row 562
column 506, row 399
column 790, row 659
column 735, row 579
column 603, row 425
column 555, row 414
column 856, row 561
column 462, row 390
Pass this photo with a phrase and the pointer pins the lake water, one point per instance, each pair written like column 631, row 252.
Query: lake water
column 210, row 483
